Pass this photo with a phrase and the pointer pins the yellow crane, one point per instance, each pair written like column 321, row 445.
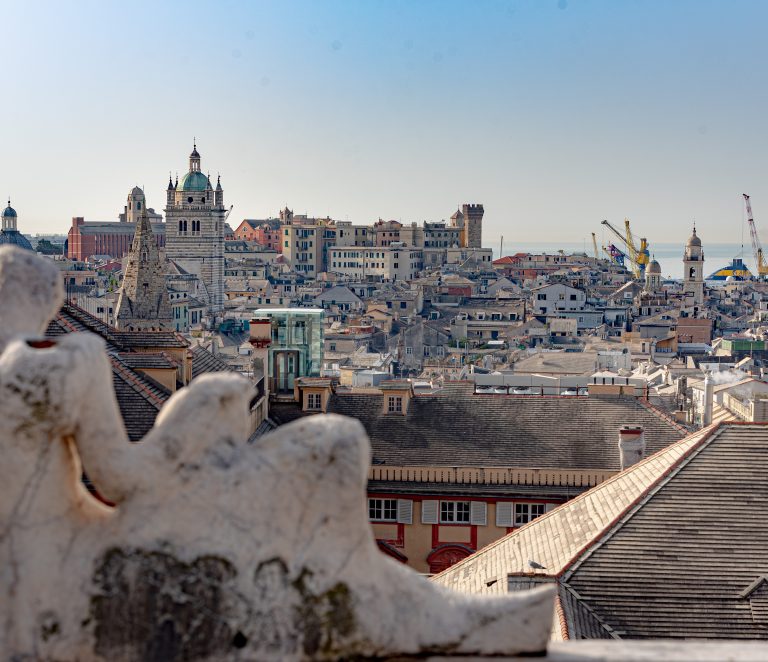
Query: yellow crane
column 639, row 257
column 757, row 249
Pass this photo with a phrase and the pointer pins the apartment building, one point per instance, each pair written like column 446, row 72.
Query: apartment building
column 306, row 243
column 387, row 263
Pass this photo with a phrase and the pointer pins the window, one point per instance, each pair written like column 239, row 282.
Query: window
column 454, row 512
column 314, row 401
column 394, row 404
column 332, row 347
column 541, row 297
column 382, row 510
column 573, row 297
column 403, row 304
column 526, row 512
column 409, row 350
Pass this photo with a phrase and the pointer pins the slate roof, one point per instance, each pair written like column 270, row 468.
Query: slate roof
column 669, row 548
column 203, row 361
column 139, row 397
column 455, row 427
column 149, row 361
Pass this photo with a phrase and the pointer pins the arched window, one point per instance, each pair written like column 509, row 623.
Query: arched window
column 444, row 556
column 138, row 206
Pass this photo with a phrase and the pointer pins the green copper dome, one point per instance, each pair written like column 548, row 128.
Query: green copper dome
column 193, row 181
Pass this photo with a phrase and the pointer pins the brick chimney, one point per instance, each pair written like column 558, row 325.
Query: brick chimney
column 631, row 445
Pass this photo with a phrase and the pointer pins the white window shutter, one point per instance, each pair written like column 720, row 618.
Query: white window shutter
column 429, row 512
column 550, row 506
column 505, row 513
column 477, row 513
column 404, row 511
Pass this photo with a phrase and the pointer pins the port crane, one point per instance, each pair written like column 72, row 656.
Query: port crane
column 594, row 245
column 615, row 253
column 638, row 256
column 757, row 249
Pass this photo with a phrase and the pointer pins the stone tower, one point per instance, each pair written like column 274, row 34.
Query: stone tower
column 473, row 225
column 693, row 264
column 143, row 302
column 134, row 205
column 194, row 234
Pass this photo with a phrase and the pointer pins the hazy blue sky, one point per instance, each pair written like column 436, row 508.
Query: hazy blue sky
column 553, row 114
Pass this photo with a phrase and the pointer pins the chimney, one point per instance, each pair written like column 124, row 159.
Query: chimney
column 631, row 445
column 709, row 396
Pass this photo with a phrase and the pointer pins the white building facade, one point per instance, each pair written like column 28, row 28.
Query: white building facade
column 389, row 263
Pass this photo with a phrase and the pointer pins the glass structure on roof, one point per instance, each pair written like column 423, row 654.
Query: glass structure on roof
column 296, row 348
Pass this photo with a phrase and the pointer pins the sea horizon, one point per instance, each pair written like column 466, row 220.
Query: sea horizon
column 668, row 255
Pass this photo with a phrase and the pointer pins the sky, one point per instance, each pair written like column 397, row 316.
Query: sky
column 554, row 114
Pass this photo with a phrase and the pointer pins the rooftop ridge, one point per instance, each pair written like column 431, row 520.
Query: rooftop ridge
column 662, row 414
column 690, row 442
column 709, row 434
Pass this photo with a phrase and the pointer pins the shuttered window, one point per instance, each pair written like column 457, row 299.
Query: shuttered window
column 478, row 513
column 504, row 514
column 429, row 511
column 404, row 511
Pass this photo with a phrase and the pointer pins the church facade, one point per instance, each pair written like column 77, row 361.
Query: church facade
column 195, row 228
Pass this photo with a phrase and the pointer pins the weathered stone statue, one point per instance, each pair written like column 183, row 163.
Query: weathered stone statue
column 216, row 549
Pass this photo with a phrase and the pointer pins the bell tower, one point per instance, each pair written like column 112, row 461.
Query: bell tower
column 693, row 265
column 194, row 235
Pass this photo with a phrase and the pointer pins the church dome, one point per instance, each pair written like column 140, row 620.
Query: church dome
column 14, row 238
column 9, row 211
column 137, row 191
column 693, row 240
column 654, row 267
column 193, row 181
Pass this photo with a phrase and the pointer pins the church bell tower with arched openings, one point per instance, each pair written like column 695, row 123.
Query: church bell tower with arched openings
column 693, row 275
column 194, row 234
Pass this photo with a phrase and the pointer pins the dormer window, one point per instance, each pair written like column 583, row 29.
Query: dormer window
column 395, row 404
column 314, row 402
